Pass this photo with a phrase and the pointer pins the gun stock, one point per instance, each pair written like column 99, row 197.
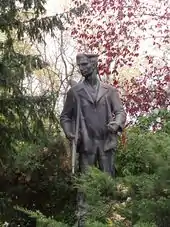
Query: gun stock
column 74, row 141
column 73, row 156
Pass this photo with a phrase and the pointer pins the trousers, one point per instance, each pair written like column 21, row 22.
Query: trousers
column 104, row 160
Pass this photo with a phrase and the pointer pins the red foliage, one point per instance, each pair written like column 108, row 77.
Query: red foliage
column 147, row 93
column 115, row 29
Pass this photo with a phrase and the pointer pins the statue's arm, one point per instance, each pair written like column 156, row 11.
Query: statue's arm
column 66, row 117
column 118, row 111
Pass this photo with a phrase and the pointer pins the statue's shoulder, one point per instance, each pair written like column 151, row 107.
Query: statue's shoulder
column 108, row 86
column 77, row 87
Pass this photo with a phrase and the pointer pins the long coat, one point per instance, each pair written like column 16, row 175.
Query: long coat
column 94, row 116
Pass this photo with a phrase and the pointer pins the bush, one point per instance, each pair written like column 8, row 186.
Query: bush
column 143, row 153
column 139, row 196
column 39, row 178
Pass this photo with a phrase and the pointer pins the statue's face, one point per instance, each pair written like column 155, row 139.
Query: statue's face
column 85, row 66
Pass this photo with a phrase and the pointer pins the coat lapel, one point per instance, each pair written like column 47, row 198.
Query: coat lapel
column 84, row 93
column 102, row 91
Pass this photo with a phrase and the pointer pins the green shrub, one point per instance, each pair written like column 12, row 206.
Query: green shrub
column 141, row 192
column 39, row 178
column 41, row 220
column 144, row 224
column 143, row 153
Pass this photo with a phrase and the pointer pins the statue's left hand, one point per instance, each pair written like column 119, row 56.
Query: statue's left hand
column 113, row 127
column 70, row 136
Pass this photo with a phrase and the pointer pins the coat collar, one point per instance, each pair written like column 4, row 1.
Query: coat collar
column 82, row 91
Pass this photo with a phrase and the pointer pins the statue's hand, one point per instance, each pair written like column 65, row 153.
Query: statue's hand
column 113, row 127
column 70, row 136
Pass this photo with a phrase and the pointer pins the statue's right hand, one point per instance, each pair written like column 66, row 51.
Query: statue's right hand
column 70, row 136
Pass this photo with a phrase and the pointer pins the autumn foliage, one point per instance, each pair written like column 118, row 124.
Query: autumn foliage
column 116, row 30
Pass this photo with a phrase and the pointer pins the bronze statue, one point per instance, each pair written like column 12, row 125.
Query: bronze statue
column 92, row 116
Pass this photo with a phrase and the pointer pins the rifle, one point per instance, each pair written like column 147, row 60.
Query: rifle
column 74, row 141
column 73, row 159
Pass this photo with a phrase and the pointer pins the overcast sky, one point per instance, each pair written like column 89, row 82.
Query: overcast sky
column 54, row 6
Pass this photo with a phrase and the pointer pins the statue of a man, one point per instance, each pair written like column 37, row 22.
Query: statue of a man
column 101, row 117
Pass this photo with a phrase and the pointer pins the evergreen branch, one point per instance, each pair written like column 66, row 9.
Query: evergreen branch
column 36, row 25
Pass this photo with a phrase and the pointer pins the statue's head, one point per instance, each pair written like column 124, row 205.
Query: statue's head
column 87, row 63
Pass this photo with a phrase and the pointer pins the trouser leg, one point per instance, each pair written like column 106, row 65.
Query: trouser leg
column 106, row 161
column 81, row 209
column 85, row 160
column 106, row 164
